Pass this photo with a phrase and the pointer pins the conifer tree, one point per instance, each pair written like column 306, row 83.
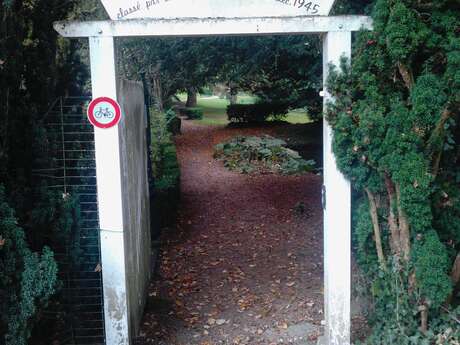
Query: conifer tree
column 36, row 66
column 396, row 136
column 27, row 279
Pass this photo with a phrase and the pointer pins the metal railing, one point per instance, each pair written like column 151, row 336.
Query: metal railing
column 72, row 170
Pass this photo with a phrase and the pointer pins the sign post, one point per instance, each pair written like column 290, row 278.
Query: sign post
column 109, row 191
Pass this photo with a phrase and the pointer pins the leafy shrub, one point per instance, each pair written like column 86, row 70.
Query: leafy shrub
column 396, row 137
column 165, row 179
column 193, row 113
column 174, row 123
column 263, row 154
column 27, row 279
column 259, row 112
column 206, row 91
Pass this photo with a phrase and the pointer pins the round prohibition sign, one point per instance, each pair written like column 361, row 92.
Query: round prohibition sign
column 104, row 112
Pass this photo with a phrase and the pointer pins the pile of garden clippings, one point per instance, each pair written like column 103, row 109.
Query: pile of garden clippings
column 262, row 155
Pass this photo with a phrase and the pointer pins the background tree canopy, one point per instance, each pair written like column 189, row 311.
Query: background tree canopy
column 282, row 68
column 35, row 67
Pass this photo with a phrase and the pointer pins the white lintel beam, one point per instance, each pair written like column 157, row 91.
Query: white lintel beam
column 213, row 26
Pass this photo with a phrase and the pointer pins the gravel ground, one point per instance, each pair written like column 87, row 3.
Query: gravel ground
column 244, row 264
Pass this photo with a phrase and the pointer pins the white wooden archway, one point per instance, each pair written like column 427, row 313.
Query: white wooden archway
column 160, row 18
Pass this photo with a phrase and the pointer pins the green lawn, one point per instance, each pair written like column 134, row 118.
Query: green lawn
column 214, row 110
column 298, row 116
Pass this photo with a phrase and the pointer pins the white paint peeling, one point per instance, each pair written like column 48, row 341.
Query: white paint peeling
column 114, row 280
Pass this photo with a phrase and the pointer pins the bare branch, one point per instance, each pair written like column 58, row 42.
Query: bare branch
column 406, row 75
column 392, row 220
column 455, row 276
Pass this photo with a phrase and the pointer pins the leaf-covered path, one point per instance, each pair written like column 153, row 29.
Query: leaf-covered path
column 244, row 265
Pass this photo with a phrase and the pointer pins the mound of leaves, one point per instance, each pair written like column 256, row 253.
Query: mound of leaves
column 264, row 154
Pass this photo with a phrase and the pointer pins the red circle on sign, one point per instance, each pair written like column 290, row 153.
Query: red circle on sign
column 104, row 117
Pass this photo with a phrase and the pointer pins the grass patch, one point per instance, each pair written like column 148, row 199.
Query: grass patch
column 298, row 116
column 214, row 110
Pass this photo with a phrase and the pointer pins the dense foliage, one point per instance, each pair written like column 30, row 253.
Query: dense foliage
column 27, row 279
column 261, row 155
column 194, row 113
column 397, row 135
column 259, row 112
column 35, row 67
column 165, row 183
column 276, row 69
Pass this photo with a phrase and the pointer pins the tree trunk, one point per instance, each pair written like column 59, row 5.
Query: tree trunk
column 406, row 75
column 404, row 229
column 377, row 232
column 423, row 318
column 157, row 92
column 438, row 132
column 456, row 271
column 455, row 276
column 233, row 96
column 191, row 98
column 392, row 220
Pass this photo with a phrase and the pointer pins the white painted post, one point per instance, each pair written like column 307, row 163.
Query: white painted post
column 337, row 216
column 103, row 76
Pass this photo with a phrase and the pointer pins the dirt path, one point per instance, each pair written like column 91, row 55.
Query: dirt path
column 244, row 265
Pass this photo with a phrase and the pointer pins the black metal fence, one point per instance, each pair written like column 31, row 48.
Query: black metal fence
column 72, row 171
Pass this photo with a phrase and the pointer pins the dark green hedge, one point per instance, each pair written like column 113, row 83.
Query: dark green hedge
column 165, row 179
column 259, row 112
column 193, row 113
column 173, row 122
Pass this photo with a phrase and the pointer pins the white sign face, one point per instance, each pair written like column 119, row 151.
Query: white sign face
column 170, row 9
